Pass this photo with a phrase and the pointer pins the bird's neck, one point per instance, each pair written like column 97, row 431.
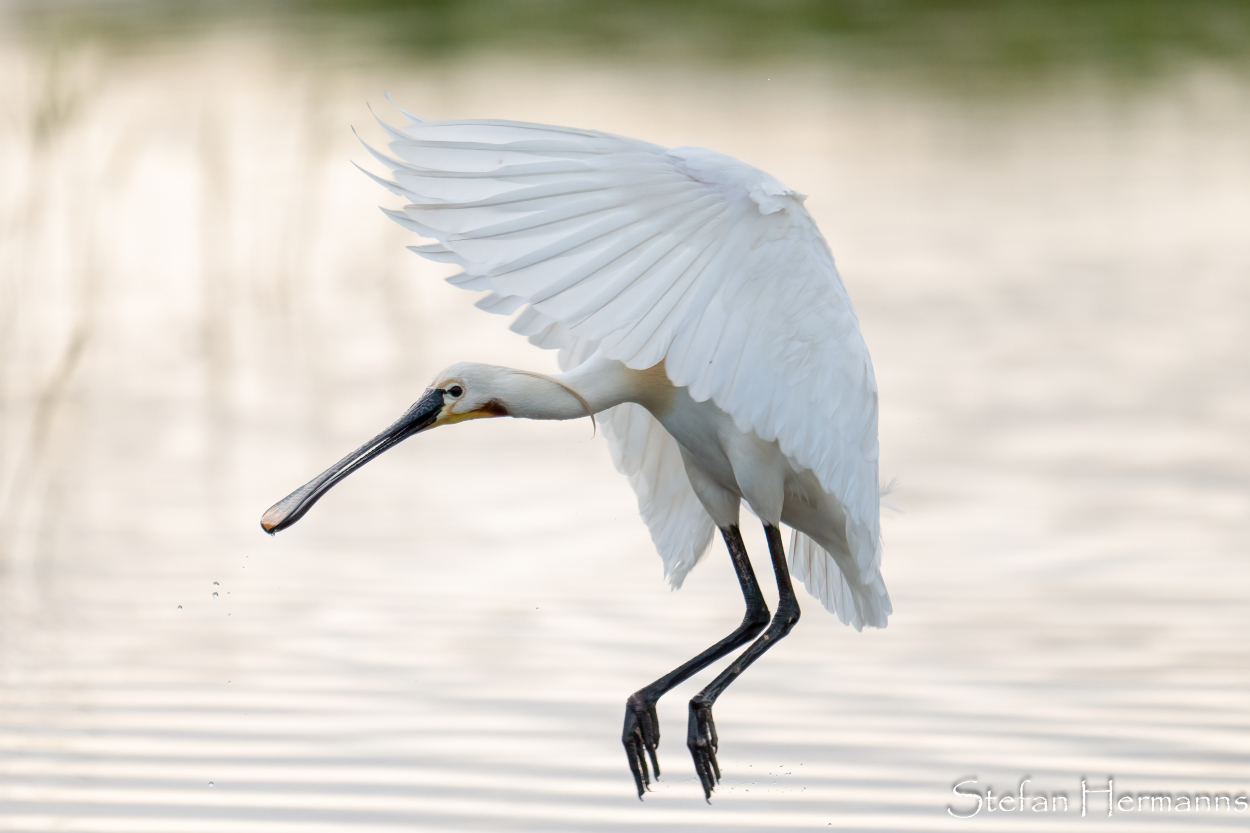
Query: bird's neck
column 598, row 383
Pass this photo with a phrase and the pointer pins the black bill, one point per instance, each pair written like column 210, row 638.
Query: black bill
column 292, row 507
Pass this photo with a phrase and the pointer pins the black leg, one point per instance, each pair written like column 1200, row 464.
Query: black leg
column 701, row 733
column 642, row 727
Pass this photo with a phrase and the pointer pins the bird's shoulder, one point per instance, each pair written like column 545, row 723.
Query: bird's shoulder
column 735, row 178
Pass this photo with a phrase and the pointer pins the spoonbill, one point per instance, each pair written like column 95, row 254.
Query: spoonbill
column 700, row 318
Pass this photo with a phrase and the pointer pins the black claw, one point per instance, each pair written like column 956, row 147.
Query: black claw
column 638, row 767
column 702, row 742
column 641, row 736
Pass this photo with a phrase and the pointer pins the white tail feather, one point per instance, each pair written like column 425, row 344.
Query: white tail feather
column 855, row 605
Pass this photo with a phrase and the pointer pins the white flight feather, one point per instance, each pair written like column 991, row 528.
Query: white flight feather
column 686, row 255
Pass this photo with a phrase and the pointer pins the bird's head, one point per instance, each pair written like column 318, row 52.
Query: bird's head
column 461, row 392
column 469, row 390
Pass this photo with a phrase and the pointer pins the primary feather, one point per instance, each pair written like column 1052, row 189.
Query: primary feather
column 685, row 256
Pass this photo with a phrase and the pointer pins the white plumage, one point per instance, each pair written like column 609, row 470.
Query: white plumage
column 697, row 310
column 641, row 254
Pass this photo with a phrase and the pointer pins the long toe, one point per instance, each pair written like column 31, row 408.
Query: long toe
column 702, row 742
column 637, row 766
column 640, row 737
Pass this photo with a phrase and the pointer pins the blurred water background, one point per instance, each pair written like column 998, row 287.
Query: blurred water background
column 1041, row 211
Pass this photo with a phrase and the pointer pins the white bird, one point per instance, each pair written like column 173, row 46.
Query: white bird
column 699, row 315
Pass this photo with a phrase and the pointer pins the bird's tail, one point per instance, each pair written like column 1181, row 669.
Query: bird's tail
column 856, row 604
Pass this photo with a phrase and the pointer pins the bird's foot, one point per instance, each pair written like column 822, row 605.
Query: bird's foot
column 702, row 742
column 641, row 734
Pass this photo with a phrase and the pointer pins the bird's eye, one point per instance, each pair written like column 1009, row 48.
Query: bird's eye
column 456, row 391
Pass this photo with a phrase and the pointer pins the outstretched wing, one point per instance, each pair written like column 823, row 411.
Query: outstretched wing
column 650, row 254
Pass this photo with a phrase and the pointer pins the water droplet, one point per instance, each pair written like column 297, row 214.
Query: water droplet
column 214, row 595
column 180, row 607
column 216, row 584
column 210, row 783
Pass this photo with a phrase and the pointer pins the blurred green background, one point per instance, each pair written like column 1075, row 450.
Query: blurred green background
column 958, row 44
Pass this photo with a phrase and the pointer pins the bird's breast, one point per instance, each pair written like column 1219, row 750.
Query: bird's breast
column 705, row 432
